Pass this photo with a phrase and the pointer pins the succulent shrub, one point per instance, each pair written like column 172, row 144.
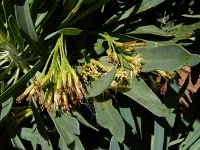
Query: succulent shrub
column 80, row 74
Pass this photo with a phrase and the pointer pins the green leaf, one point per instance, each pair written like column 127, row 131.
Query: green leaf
column 176, row 142
column 17, row 143
column 24, row 19
column 191, row 16
column 114, row 145
column 67, row 122
column 16, row 32
column 71, row 14
column 83, row 121
column 99, row 86
column 5, row 109
column 193, row 136
column 98, row 47
column 158, row 138
column 149, row 29
column 44, row 138
column 67, row 126
column 25, row 78
column 30, row 134
column 182, row 31
column 108, row 117
column 62, row 145
column 147, row 4
column 165, row 58
column 65, row 31
column 127, row 116
column 89, row 10
column 138, row 8
column 143, row 95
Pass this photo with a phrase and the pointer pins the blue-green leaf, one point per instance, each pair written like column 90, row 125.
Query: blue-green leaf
column 67, row 126
column 6, row 106
column 99, row 86
column 24, row 19
column 165, row 58
column 149, row 29
column 114, row 145
column 108, row 117
column 143, row 95
column 30, row 134
column 158, row 138
column 67, row 122
column 44, row 138
column 83, row 121
column 65, row 31
column 16, row 32
column 17, row 143
column 98, row 47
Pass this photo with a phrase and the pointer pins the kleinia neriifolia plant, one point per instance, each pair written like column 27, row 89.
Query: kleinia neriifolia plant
column 58, row 83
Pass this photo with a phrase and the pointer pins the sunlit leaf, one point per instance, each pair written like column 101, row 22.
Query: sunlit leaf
column 143, row 95
column 16, row 141
column 108, row 117
column 114, row 145
column 99, row 49
column 99, row 86
column 165, row 58
column 44, row 137
column 65, row 31
column 30, row 134
column 5, row 109
column 149, row 29
column 16, row 32
column 24, row 20
column 83, row 121
column 67, row 126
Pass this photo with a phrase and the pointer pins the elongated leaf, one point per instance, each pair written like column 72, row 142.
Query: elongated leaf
column 71, row 14
column 17, row 143
column 67, row 126
column 158, row 136
column 25, row 78
column 67, row 122
column 62, row 145
column 108, row 117
column 88, row 11
column 114, row 144
column 143, row 95
column 147, row 4
column 99, row 49
column 65, row 31
column 183, row 31
column 6, row 106
column 191, row 16
column 176, row 142
column 30, row 134
column 83, row 121
column 138, row 8
column 165, row 58
column 196, row 145
column 128, row 117
column 16, row 32
column 149, row 29
column 24, row 19
column 44, row 138
column 99, row 86
column 193, row 136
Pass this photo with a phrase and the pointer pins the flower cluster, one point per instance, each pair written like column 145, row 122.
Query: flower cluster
column 59, row 84
column 94, row 70
column 119, row 52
